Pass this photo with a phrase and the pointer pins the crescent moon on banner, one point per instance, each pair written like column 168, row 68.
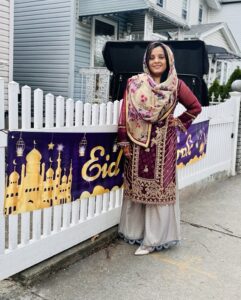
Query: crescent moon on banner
column 14, row 162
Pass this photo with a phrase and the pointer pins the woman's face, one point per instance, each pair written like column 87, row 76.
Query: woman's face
column 157, row 62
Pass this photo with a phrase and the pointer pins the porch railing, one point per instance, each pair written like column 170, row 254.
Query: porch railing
column 94, row 85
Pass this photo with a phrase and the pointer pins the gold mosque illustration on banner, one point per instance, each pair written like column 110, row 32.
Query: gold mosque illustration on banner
column 35, row 187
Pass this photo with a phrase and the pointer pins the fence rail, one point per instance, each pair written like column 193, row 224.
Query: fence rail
column 31, row 237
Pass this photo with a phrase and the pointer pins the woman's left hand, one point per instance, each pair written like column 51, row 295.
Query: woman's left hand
column 172, row 121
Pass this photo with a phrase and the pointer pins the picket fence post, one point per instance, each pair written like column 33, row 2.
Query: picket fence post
column 26, row 124
column 235, row 98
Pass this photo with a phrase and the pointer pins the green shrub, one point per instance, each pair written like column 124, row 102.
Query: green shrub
column 234, row 76
column 223, row 90
column 214, row 89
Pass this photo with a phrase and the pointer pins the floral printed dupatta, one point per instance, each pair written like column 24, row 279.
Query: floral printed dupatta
column 146, row 102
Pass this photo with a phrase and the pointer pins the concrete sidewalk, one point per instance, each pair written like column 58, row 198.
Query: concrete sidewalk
column 207, row 264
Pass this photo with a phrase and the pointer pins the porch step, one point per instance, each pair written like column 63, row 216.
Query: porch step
column 61, row 261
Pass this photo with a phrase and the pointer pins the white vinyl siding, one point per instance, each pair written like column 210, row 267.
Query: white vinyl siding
column 230, row 14
column 217, row 39
column 97, row 7
column 5, row 43
column 42, row 43
column 174, row 7
column 82, row 53
column 194, row 12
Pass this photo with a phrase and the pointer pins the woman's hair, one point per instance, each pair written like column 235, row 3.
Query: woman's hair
column 149, row 49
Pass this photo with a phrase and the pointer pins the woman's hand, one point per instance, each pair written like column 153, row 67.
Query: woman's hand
column 127, row 151
column 172, row 122
column 176, row 122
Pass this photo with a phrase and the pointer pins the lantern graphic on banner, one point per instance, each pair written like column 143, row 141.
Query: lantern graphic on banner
column 114, row 149
column 20, row 146
column 82, row 146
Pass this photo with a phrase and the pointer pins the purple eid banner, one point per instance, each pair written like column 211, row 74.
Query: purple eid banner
column 51, row 168
column 46, row 169
column 192, row 144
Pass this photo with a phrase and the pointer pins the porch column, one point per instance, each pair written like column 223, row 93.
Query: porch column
column 222, row 72
column 148, row 26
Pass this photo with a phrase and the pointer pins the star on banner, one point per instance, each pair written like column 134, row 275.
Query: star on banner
column 60, row 147
column 51, row 146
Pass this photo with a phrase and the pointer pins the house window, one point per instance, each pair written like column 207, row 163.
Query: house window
column 200, row 14
column 103, row 30
column 160, row 3
column 218, row 70
column 184, row 9
column 225, row 70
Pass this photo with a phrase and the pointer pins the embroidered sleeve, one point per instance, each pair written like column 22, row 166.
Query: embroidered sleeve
column 191, row 103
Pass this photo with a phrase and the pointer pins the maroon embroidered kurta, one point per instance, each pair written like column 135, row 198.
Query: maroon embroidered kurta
column 150, row 173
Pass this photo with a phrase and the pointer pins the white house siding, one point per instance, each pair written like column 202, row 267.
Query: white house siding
column 174, row 6
column 5, row 43
column 97, row 7
column 194, row 12
column 82, row 53
column 217, row 39
column 42, row 43
column 230, row 14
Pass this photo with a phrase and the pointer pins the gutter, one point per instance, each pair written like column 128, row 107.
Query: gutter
column 230, row 2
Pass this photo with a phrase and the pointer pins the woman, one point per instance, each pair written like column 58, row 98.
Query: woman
column 147, row 134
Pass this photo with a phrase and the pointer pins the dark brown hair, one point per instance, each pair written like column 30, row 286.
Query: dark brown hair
column 149, row 49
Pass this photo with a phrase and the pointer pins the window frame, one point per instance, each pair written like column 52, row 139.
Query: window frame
column 185, row 9
column 163, row 3
column 200, row 14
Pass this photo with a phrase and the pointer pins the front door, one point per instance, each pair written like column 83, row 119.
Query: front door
column 103, row 30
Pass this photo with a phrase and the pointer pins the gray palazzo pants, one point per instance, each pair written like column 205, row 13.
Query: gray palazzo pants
column 155, row 225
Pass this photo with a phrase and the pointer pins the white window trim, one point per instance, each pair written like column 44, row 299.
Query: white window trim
column 188, row 11
column 105, row 20
column 164, row 4
column 200, row 7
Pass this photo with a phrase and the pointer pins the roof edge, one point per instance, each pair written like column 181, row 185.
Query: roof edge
column 214, row 4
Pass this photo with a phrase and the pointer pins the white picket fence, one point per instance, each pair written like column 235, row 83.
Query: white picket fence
column 29, row 238
column 222, row 142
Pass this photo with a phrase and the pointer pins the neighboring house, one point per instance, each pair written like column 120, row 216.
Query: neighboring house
column 54, row 39
column 204, row 19
column 230, row 13
column 6, row 43
column 222, row 48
